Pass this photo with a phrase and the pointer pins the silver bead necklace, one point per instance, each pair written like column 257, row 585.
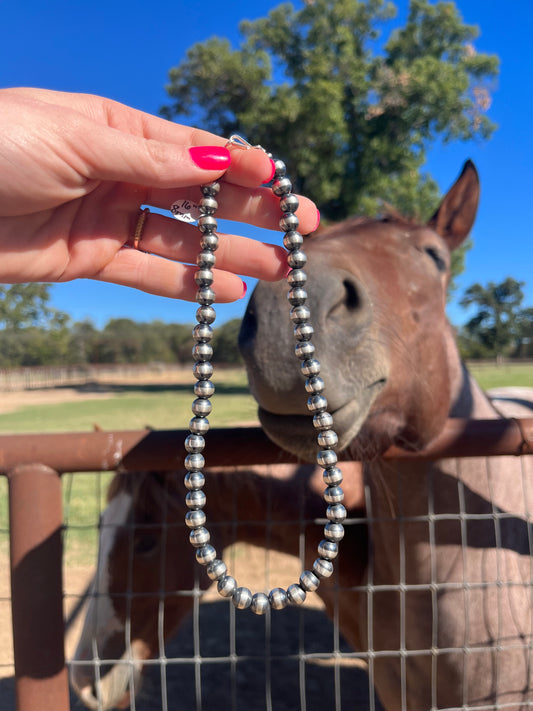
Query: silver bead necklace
column 199, row 536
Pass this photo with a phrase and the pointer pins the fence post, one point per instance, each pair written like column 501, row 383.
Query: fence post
column 35, row 506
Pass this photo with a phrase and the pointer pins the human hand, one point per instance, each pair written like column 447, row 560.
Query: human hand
column 74, row 170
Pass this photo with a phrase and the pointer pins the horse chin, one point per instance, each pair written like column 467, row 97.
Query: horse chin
column 296, row 434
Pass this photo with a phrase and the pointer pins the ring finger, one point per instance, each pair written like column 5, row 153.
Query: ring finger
column 178, row 241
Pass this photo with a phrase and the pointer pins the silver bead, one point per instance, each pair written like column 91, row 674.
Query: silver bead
column 297, row 259
column 199, row 425
column 206, row 259
column 280, row 168
column 278, row 599
column 226, row 586
column 195, row 499
column 309, row 581
column 327, row 438
column 292, row 240
column 202, row 351
column 260, row 603
column 336, row 513
column 194, row 461
column 334, row 532
column 311, row 367
column 208, row 205
column 198, row 537
column 323, row 568
column 303, row 332
column 201, row 407
column 203, row 277
column 211, row 189
column 297, row 296
column 205, row 295
column 242, row 598
column 194, row 480
column 216, row 569
column 315, row 384
column 300, row 314
column 326, row 458
column 204, row 388
column 202, row 333
column 322, row 421
column 209, row 241
column 195, row 518
column 281, row 186
column 317, row 403
column 333, row 475
column 289, row 203
column 194, row 443
column 296, row 594
column 206, row 554
column 297, row 277
column 328, row 549
column 205, row 314
column 289, row 222
column 333, row 495
column 304, row 350
column 202, row 370
column 207, row 224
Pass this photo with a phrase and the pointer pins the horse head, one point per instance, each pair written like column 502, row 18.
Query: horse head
column 377, row 295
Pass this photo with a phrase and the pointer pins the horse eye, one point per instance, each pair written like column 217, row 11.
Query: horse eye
column 437, row 258
column 146, row 544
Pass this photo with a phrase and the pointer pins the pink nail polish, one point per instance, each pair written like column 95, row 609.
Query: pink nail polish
column 317, row 220
column 273, row 171
column 210, row 157
column 244, row 290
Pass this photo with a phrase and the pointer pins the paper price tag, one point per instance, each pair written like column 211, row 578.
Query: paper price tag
column 185, row 210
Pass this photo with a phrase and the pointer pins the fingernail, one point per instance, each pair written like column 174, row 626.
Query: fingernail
column 289, row 270
column 210, row 157
column 317, row 220
column 244, row 290
column 273, row 171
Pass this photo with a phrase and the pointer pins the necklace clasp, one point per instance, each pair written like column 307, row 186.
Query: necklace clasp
column 236, row 141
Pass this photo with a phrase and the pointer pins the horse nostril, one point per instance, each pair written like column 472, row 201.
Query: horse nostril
column 352, row 299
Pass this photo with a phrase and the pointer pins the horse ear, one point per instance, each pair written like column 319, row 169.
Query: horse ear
column 456, row 213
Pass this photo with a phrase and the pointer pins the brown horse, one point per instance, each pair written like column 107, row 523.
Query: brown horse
column 434, row 578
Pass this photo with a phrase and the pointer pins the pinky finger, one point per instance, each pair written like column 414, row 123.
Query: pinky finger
column 162, row 277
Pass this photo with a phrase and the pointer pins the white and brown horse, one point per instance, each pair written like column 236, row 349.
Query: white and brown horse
column 434, row 578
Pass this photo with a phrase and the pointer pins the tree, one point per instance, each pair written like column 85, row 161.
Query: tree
column 24, row 305
column 499, row 324
column 226, row 349
column 351, row 114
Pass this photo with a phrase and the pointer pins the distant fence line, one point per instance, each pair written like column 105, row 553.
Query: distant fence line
column 35, row 377
column 50, row 376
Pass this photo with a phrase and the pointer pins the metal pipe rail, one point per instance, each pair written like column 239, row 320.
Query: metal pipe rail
column 33, row 465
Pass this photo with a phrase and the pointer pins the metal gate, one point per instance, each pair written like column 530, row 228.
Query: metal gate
column 34, row 465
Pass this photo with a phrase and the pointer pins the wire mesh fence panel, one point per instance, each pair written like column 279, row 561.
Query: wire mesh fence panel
column 429, row 606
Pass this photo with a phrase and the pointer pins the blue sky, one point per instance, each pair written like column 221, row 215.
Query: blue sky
column 123, row 50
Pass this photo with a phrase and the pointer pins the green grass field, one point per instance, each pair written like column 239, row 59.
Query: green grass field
column 160, row 406
column 505, row 375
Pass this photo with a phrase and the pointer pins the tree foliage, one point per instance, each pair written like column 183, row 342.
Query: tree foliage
column 350, row 111
column 500, row 326
column 121, row 340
